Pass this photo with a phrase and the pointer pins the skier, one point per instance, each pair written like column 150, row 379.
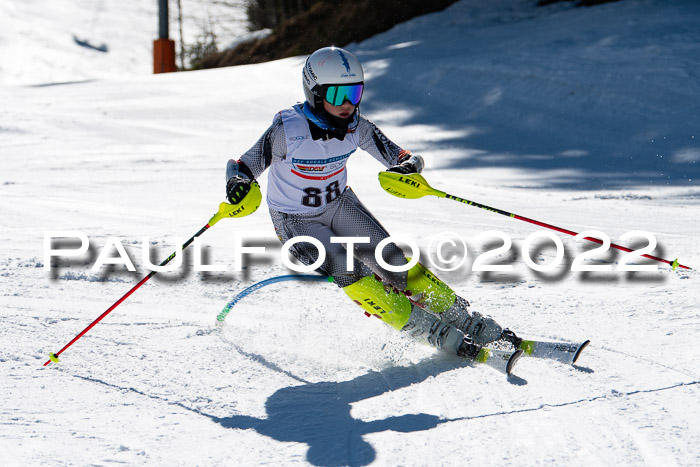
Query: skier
column 306, row 149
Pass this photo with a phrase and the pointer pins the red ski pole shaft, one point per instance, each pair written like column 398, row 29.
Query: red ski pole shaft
column 673, row 263
column 54, row 356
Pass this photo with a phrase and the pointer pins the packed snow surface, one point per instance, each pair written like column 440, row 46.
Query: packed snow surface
column 587, row 119
column 74, row 40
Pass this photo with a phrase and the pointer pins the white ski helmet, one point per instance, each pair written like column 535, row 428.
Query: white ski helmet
column 333, row 74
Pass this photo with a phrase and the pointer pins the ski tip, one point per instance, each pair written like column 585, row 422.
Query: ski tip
column 513, row 360
column 580, row 349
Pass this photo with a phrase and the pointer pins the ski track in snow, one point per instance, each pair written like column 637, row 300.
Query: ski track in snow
column 589, row 124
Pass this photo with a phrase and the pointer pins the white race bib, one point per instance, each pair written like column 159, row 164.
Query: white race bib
column 313, row 173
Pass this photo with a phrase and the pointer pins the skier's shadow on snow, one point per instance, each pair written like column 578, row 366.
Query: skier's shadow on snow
column 318, row 414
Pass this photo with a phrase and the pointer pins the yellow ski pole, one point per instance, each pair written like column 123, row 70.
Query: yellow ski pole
column 412, row 186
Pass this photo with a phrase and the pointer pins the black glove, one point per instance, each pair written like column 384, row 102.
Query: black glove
column 402, row 169
column 408, row 164
column 237, row 188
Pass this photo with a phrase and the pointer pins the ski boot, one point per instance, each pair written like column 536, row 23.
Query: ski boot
column 429, row 292
column 509, row 336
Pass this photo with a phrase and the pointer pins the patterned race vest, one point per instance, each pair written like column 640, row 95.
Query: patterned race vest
column 313, row 173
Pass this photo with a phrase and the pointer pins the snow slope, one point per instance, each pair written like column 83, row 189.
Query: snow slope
column 585, row 119
column 74, row 40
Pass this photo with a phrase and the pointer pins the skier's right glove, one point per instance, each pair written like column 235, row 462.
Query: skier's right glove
column 238, row 180
column 237, row 187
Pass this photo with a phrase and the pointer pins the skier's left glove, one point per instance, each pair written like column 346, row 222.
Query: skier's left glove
column 408, row 164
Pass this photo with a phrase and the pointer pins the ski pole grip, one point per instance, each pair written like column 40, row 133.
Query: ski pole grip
column 246, row 207
column 407, row 186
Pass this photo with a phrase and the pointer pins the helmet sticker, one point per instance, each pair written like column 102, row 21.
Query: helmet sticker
column 311, row 71
column 345, row 60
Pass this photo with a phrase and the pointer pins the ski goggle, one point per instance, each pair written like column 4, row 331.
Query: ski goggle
column 337, row 94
